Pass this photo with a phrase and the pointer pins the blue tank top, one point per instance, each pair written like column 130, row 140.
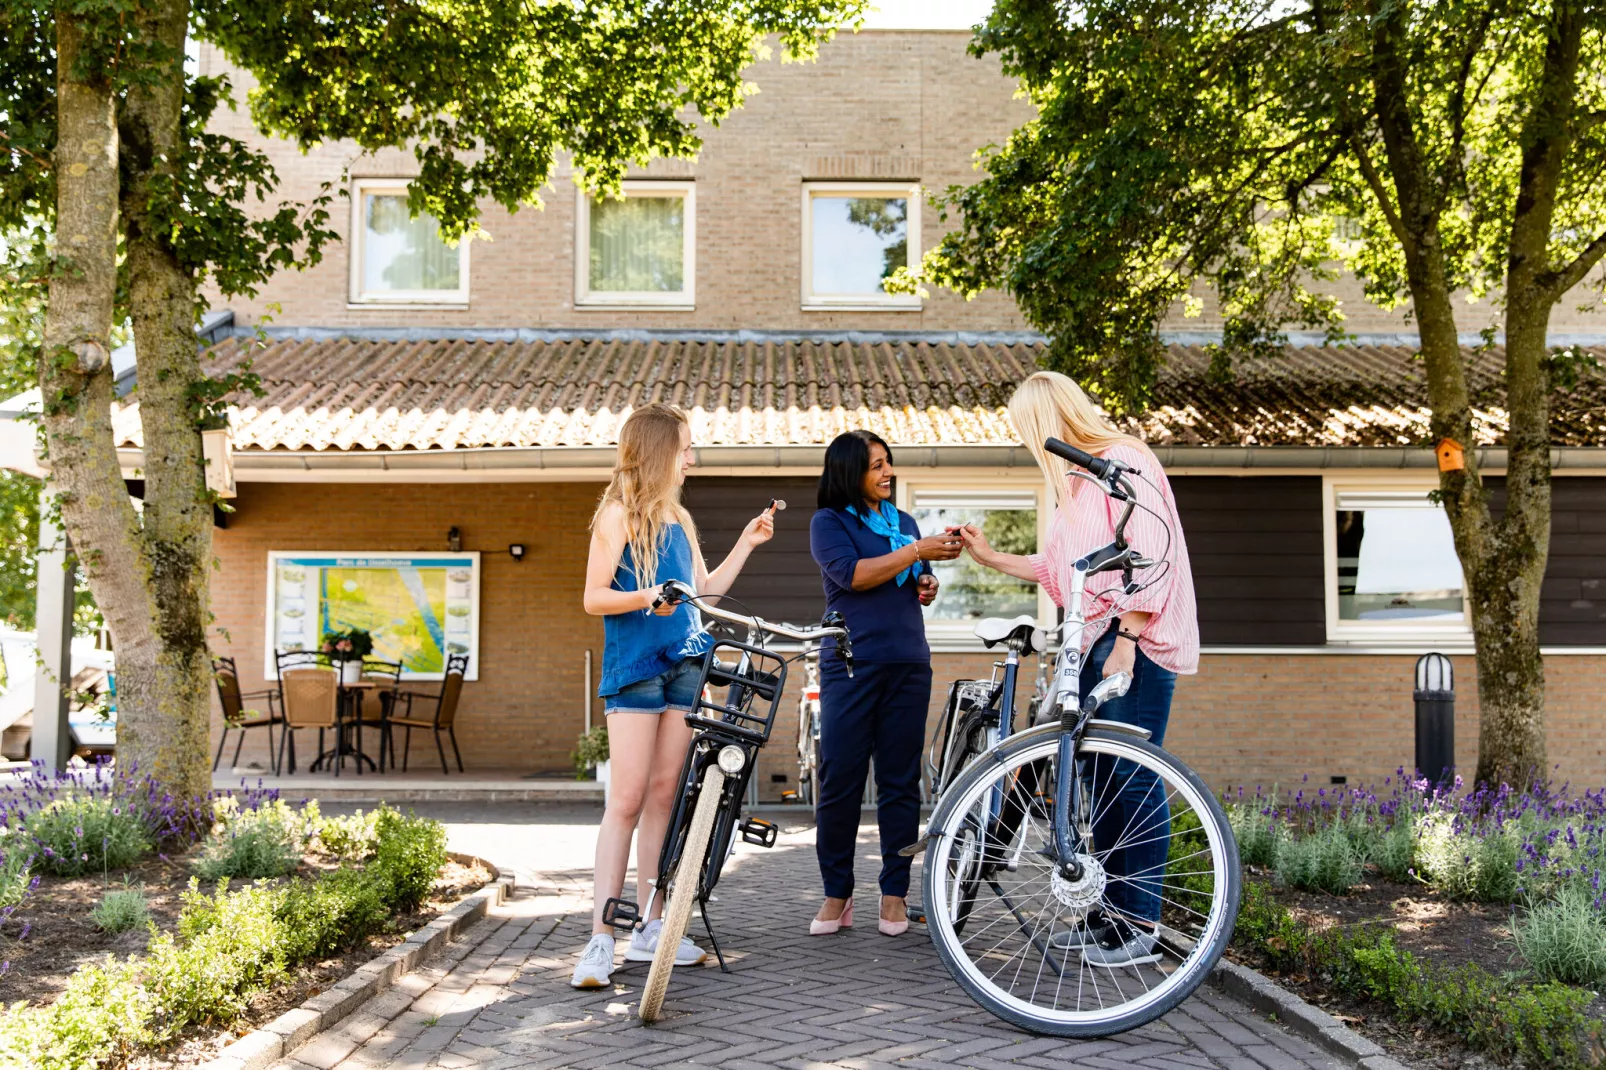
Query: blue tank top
column 640, row 644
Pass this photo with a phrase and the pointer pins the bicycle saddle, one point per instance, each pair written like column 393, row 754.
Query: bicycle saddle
column 995, row 630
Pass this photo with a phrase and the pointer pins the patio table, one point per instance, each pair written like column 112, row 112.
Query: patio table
column 351, row 699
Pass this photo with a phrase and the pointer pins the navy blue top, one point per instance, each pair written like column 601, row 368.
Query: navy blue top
column 885, row 622
column 640, row 644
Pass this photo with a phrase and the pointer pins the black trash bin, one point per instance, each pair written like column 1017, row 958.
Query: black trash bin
column 1435, row 718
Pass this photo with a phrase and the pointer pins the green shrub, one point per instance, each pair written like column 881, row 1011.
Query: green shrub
column 409, row 855
column 332, row 913
column 86, row 834
column 252, row 844
column 1394, row 852
column 1564, row 939
column 226, row 948
column 16, row 861
column 1189, row 879
column 121, row 910
column 231, row 948
column 1257, row 833
column 1540, row 1025
column 351, row 838
column 1468, row 863
column 1320, row 861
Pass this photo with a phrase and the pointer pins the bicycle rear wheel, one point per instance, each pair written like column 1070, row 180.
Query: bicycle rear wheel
column 682, row 892
column 1004, row 945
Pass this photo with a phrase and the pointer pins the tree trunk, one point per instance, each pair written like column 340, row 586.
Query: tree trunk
column 164, row 697
column 149, row 578
column 74, row 370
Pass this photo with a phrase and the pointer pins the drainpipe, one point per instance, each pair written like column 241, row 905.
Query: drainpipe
column 52, row 678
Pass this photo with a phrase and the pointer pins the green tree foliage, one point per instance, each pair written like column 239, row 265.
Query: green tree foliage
column 1246, row 152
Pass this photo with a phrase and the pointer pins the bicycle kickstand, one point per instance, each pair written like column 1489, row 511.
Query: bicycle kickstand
column 702, row 905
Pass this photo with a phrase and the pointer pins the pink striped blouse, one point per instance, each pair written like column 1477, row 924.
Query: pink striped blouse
column 1085, row 521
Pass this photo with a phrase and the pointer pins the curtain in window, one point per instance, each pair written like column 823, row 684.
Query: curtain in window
column 404, row 254
column 638, row 245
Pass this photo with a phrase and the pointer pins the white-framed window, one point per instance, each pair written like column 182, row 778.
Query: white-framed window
column 399, row 259
column 855, row 235
column 419, row 607
column 639, row 249
column 1010, row 518
column 1392, row 573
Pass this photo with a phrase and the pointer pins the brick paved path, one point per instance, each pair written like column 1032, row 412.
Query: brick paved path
column 500, row 998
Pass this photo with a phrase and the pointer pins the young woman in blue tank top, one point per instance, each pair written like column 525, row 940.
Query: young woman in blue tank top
column 642, row 536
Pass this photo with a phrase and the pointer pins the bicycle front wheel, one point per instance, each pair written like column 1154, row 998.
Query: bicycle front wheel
column 682, row 892
column 1020, row 938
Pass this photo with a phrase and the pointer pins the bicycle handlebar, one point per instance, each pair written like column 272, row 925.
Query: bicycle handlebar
column 675, row 592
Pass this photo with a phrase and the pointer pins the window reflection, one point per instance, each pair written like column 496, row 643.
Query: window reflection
column 857, row 242
column 1396, row 561
column 401, row 253
column 968, row 591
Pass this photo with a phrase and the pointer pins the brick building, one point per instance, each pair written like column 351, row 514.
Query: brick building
column 431, row 408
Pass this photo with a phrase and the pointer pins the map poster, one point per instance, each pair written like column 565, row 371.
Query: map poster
column 419, row 607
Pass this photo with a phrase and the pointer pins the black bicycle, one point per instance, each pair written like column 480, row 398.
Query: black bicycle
column 735, row 711
column 1035, row 830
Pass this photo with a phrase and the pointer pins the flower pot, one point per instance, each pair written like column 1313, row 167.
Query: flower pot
column 350, row 672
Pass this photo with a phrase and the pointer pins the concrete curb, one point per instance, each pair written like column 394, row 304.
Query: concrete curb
column 267, row 1045
column 1315, row 1025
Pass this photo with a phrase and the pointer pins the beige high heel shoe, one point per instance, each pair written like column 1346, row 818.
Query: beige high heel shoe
column 841, row 921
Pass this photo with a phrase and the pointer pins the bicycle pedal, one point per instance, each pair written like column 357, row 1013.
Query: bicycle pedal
column 917, row 913
column 621, row 914
column 756, row 830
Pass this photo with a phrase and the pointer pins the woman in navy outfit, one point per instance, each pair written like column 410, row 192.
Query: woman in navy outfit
column 873, row 562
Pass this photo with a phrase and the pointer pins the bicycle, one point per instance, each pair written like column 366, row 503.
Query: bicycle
column 1016, row 881
column 719, row 763
column 808, row 729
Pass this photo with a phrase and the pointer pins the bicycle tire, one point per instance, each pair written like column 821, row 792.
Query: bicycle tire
column 677, row 913
column 1156, row 999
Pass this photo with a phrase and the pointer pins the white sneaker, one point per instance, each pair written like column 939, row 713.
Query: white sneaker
column 596, row 963
column 644, row 945
column 1085, row 933
column 1122, row 944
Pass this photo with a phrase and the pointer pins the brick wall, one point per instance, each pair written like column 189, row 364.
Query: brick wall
column 1244, row 719
column 524, row 711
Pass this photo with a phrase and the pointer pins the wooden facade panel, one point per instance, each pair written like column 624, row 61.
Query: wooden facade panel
column 1572, row 601
column 1256, row 548
column 781, row 581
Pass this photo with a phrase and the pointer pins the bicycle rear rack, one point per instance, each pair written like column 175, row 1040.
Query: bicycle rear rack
column 736, row 708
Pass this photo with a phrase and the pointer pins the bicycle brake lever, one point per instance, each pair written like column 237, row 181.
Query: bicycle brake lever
column 1110, row 687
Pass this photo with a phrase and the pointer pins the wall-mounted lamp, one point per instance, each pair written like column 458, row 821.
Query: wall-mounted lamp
column 517, row 550
column 454, row 540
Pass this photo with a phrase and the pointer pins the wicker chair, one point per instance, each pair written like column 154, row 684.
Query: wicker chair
column 443, row 717
column 238, row 718
column 312, row 700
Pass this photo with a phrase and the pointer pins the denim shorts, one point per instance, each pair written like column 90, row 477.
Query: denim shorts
column 673, row 689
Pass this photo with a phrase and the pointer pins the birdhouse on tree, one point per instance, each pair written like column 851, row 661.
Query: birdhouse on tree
column 1451, row 454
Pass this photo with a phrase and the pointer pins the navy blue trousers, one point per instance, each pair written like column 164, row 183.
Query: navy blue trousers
column 1134, row 819
column 880, row 711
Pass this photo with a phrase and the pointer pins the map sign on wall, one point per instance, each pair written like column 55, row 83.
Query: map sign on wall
column 419, row 607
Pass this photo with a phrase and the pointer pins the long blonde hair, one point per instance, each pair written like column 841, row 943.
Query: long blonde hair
column 644, row 484
column 1051, row 405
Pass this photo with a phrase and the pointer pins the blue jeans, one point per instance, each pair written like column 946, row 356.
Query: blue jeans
column 881, row 710
column 1130, row 802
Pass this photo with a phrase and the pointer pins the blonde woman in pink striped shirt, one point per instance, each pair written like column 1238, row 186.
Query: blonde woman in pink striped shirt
column 1152, row 634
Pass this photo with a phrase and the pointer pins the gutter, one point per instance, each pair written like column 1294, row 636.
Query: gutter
column 255, row 464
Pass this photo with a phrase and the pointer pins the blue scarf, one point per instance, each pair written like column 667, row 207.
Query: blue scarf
column 885, row 523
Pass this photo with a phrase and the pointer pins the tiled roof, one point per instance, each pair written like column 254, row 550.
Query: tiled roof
column 365, row 394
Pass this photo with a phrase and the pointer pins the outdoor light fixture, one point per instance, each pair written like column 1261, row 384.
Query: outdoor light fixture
column 517, row 550
column 454, row 540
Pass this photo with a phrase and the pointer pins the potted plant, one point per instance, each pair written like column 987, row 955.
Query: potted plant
column 591, row 754
column 345, row 651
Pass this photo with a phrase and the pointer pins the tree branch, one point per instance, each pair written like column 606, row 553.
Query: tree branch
column 1558, row 282
column 1380, row 191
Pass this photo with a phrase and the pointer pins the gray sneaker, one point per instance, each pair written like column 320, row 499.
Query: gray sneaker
column 1122, row 944
column 1085, row 933
column 595, row 967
